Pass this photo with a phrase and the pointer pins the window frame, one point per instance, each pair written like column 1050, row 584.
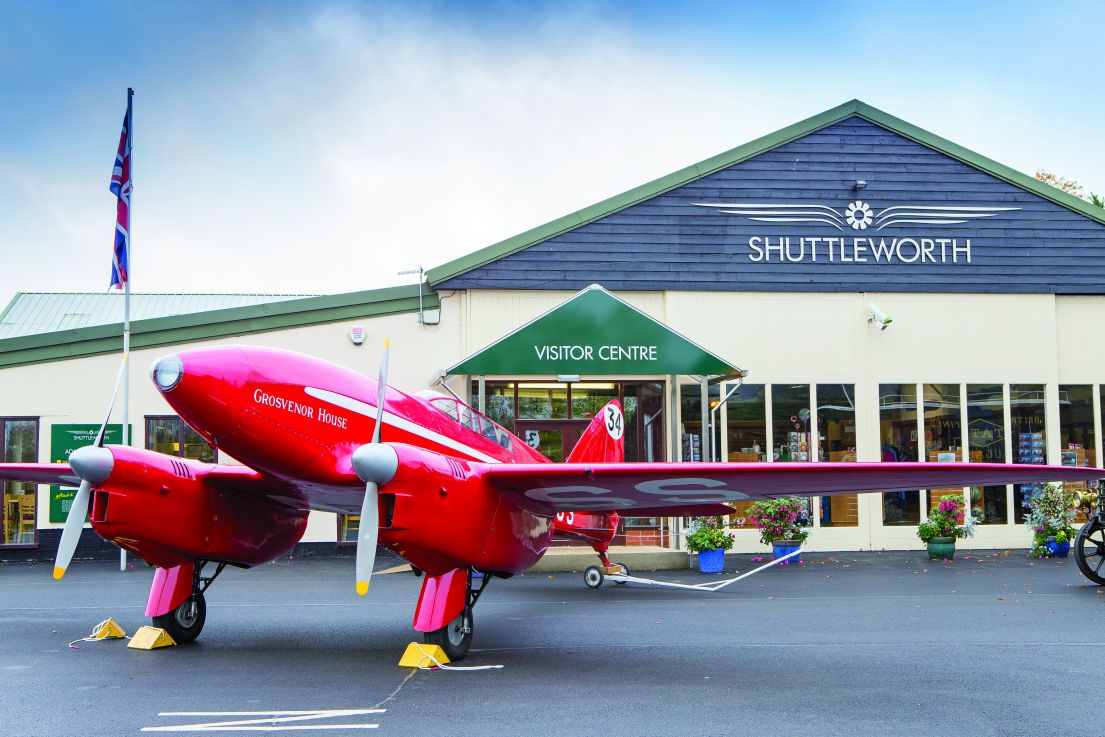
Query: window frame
column 35, row 494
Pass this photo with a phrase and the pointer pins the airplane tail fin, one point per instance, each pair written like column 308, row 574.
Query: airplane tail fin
column 604, row 439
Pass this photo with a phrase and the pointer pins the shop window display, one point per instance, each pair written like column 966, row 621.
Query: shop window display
column 898, row 442
column 943, row 433
column 1077, row 441
column 746, row 435
column 986, row 444
column 790, row 422
column 19, row 512
column 1026, row 421
column 836, row 427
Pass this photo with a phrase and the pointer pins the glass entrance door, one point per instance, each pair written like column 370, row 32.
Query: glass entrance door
column 551, row 438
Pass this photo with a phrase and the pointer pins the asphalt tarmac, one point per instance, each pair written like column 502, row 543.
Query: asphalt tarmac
column 845, row 644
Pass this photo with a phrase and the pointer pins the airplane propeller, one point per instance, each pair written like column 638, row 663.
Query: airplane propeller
column 92, row 464
column 375, row 464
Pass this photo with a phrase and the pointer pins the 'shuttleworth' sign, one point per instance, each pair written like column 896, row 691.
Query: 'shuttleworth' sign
column 594, row 333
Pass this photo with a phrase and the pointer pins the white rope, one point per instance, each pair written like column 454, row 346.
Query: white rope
column 427, row 656
column 99, row 633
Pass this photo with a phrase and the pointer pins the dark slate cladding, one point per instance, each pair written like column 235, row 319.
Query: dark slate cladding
column 667, row 243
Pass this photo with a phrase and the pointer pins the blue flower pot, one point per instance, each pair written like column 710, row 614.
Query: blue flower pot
column 1057, row 550
column 785, row 547
column 711, row 561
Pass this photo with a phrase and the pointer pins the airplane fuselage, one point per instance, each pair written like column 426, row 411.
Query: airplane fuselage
column 297, row 419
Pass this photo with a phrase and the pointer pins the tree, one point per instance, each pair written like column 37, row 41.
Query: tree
column 1070, row 187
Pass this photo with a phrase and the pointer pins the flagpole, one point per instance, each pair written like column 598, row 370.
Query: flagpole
column 126, row 296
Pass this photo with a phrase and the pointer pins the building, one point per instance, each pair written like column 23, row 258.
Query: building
column 849, row 288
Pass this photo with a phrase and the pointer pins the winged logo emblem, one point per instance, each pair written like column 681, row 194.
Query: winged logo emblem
column 857, row 215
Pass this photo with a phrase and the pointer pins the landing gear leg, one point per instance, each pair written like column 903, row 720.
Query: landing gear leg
column 185, row 623
column 1089, row 546
column 455, row 638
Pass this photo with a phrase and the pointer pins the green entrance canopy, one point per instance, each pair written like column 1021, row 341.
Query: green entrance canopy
column 592, row 333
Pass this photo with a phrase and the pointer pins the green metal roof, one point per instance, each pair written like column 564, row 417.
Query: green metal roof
column 656, row 187
column 176, row 329
column 30, row 313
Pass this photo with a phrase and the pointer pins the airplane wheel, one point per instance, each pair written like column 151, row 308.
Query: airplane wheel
column 1089, row 550
column 182, row 624
column 625, row 570
column 454, row 638
column 593, row 577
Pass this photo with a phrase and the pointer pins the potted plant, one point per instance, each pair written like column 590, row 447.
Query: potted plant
column 1051, row 520
column 708, row 538
column 780, row 524
column 947, row 521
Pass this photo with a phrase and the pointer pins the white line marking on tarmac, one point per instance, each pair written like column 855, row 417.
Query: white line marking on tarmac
column 267, row 721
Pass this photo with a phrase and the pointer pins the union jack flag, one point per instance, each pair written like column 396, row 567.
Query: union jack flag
column 121, row 187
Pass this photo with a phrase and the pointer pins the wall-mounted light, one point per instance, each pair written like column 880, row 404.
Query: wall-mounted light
column 860, row 184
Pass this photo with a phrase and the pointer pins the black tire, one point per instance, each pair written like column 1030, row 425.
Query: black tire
column 181, row 624
column 592, row 576
column 625, row 571
column 1089, row 550
column 454, row 638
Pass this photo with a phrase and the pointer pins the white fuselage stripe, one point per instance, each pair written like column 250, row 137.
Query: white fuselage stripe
column 402, row 423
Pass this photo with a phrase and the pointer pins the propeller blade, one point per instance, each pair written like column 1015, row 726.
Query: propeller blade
column 74, row 523
column 111, row 404
column 382, row 387
column 72, row 532
column 368, row 533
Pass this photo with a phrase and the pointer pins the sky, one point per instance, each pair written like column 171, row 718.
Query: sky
column 323, row 147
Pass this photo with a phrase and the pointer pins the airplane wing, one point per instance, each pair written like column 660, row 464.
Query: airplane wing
column 241, row 479
column 627, row 487
column 39, row 473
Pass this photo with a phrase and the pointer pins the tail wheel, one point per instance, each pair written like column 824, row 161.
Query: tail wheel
column 454, row 638
column 625, row 571
column 184, row 623
column 1089, row 550
column 593, row 577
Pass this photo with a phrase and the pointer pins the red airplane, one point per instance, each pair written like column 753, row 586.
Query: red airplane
column 434, row 481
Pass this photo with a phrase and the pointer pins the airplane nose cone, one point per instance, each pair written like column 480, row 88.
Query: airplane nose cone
column 92, row 463
column 166, row 372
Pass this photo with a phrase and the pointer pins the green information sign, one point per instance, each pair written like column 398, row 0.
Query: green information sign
column 64, row 439
column 594, row 332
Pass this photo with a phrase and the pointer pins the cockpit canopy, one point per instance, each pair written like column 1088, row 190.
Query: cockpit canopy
column 464, row 415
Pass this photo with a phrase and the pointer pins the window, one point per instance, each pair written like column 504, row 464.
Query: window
column 986, row 444
column 943, row 433
column 20, row 437
column 790, row 422
column 1077, row 441
column 690, row 413
column 542, row 401
column 746, row 422
column 173, row 436
column 898, row 442
column 746, row 434
column 1026, row 410
column 836, row 427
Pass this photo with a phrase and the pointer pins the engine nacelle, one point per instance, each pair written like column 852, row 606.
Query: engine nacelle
column 166, row 511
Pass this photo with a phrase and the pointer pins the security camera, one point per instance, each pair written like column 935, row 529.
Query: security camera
column 878, row 317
